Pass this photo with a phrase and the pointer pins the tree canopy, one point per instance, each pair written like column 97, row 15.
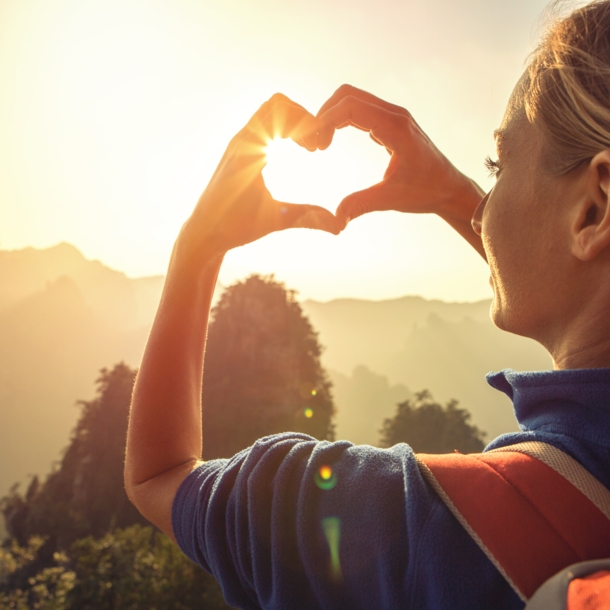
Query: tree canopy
column 85, row 494
column 132, row 568
column 262, row 370
column 428, row 427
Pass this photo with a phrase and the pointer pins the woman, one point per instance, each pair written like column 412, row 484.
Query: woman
column 258, row 521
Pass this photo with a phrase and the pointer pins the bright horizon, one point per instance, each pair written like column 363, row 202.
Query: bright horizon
column 113, row 116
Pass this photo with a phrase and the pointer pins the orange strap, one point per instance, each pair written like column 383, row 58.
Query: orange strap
column 591, row 592
column 527, row 517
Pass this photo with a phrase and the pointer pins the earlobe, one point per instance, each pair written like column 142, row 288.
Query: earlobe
column 591, row 227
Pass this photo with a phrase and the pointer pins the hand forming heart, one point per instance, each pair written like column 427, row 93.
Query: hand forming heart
column 236, row 208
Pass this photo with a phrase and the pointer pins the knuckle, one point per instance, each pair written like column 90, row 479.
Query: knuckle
column 403, row 112
column 349, row 100
column 403, row 122
column 277, row 99
column 344, row 90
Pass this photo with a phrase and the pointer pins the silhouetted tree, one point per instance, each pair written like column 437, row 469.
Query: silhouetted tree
column 429, row 427
column 262, row 370
column 65, row 550
column 85, row 495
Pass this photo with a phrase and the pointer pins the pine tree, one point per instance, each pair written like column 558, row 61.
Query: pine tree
column 262, row 370
column 428, row 427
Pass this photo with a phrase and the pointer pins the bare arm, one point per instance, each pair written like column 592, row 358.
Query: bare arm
column 419, row 178
column 164, row 435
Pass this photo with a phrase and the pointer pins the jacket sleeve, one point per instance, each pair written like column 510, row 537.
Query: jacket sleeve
column 296, row 523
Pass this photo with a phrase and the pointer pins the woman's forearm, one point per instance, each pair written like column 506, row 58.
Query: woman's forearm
column 165, row 422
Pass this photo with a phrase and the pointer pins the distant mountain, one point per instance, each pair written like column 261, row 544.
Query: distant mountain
column 120, row 301
column 364, row 399
column 356, row 331
column 63, row 318
column 444, row 347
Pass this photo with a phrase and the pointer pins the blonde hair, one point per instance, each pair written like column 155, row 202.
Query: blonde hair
column 566, row 88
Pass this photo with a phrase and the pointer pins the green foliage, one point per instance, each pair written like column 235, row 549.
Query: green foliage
column 127, row 569
column 85, row 495
column 262, row 370
column 429, row 427
column 46, row 590
column 139, row 567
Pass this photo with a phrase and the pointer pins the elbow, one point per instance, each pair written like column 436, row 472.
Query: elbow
column 130, row 486
column 153, row 497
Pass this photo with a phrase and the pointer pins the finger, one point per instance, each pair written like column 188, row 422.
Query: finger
column 325, row 131
column 283, row 118
column 365, row 96
column 278, row 116
column 306, row 134
column 246, row 139
column 376, row 198
column 385, row 126
column 380, row 143
column 302, row 216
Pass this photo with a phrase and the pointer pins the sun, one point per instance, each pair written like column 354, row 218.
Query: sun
column 296, row 175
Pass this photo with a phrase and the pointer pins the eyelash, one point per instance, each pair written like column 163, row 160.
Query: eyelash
column 493, row 167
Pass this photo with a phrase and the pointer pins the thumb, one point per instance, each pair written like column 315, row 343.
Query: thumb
column 373, row 199
column 303, row 216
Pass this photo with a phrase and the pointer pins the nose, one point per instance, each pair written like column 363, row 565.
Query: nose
column 477, row 217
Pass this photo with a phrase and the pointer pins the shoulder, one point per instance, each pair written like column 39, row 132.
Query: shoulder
column 295, row 477
column 285, row 509
column 302, row 464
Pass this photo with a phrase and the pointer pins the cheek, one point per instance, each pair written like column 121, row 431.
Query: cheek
column 502, row 231
column 510, row 227
column 509, row 240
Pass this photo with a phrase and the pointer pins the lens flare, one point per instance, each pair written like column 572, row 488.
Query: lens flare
column 325, row 478
column 332, row 532
column 314, row 392
column 309, row 413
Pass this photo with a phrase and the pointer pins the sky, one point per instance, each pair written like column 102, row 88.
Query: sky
column 114, row 113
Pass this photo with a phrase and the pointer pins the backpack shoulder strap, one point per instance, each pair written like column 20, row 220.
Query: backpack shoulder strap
column 583, row 586
column 530, row 507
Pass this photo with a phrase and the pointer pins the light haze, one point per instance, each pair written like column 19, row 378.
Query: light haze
column 113, row 115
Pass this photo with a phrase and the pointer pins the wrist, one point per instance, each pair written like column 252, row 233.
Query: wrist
column 193, row 254
column 463, row 200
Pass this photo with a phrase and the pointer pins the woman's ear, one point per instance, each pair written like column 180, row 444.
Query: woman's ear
column 591, row 226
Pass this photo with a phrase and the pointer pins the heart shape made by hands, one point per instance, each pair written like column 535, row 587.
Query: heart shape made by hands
column 324, row 177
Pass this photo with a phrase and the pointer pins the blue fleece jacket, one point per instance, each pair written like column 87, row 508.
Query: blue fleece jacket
column 374, row 535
